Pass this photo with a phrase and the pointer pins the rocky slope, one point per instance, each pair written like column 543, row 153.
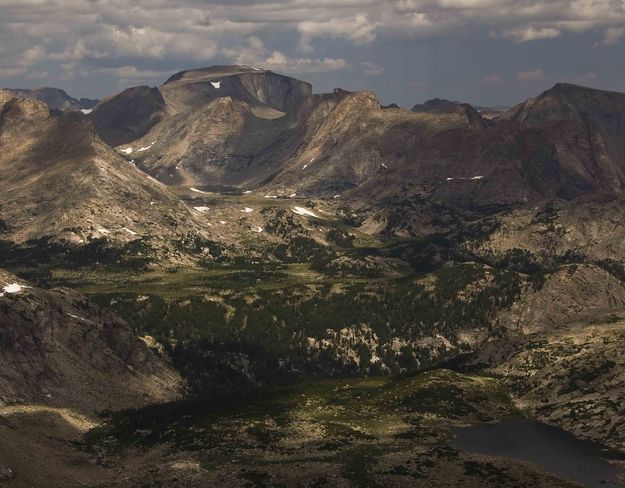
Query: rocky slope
column 59, row 181
column 65, row 360
column 585, row 229
column 128, row 115
column 573, row 377
column 60, row 350
column 565, row 143
column 583, row 128
column 574, row 292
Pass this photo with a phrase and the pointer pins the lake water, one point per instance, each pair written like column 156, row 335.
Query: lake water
column 555, row 450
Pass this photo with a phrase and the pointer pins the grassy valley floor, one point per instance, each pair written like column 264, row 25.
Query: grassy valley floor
column 370, row 432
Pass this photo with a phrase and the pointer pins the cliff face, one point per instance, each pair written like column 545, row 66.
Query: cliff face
column 128, row 115
column 225, row 125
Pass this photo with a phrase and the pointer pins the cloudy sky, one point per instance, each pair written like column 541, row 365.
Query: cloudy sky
column 481, row 51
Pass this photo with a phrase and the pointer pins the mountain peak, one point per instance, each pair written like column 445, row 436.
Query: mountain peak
column 196, row 75
column 437, row 105
column 563, row 88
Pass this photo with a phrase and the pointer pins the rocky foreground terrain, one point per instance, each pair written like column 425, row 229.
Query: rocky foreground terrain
column 65, row 360
column 228, row 280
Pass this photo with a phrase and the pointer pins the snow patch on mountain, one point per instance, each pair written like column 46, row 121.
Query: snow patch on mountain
column 478, row 177
column 76, row 317
column 145, row 148
column 305, row 212
column 12, row 288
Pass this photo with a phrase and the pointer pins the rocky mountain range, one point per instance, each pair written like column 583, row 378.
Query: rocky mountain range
column 61, row 184
column 55, row 98
column 382, row 277
column 263, row 130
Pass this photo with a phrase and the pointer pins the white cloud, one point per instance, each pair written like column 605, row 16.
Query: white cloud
column 20, row 63
column 359, row 30
column 526, row 34
column 38, row 75
column 612, row 36
column 133, row 73
column 11, row 72
column 532, row 75
column 74, row 52
column 84, row 35
column 371, row 68
column 490, row 80
column 255, row 53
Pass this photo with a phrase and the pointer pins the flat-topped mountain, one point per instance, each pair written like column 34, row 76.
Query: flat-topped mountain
column 254, row 86
column 443, row 105
column 129, row 115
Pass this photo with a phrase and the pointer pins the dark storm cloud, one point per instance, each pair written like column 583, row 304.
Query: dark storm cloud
column 108, row 43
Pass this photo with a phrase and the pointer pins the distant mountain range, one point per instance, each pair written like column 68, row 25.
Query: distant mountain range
column 242, row 127
column 442, row 105
column 247, row 129
column 55, row 98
